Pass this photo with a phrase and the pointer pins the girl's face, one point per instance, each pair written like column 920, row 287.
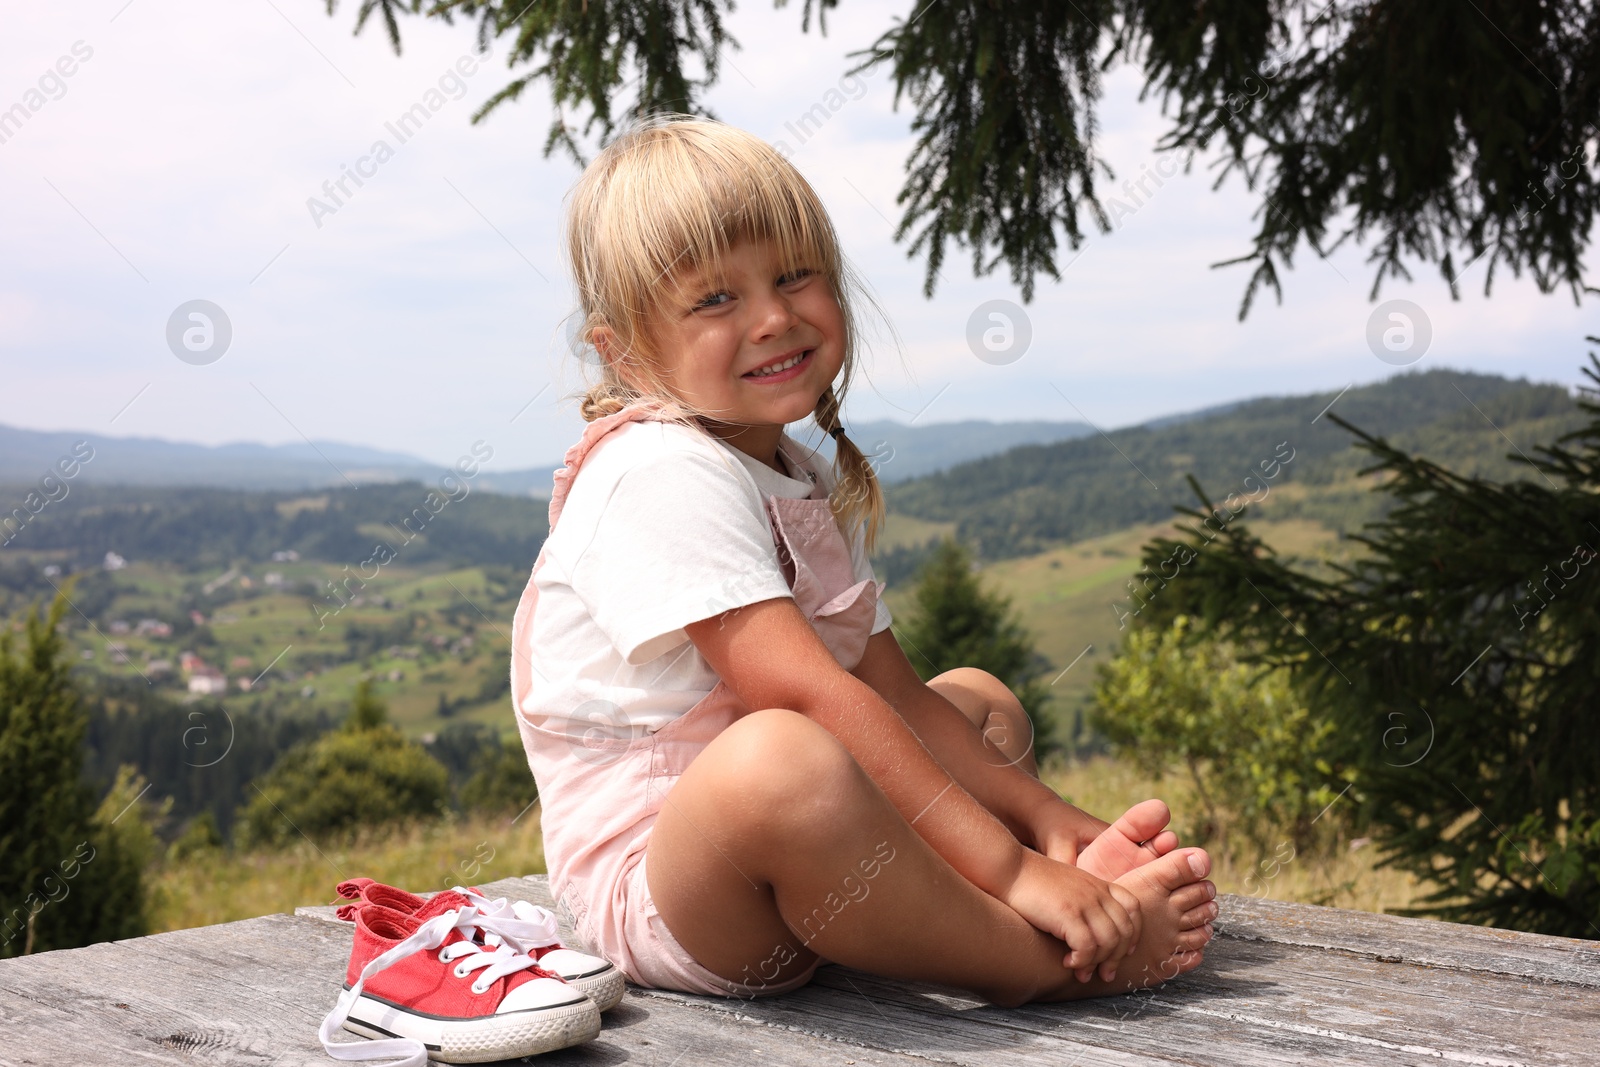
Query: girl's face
column 714, row 342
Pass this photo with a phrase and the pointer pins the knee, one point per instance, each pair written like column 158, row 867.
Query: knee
column 787, row 766
column 994, row 711
column 980, row 695
column 984, row 684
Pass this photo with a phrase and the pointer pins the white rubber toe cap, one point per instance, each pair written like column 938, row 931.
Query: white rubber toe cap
column 537, row 994
column 570, row 963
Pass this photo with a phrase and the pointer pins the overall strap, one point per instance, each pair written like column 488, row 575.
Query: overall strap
column 640, row 411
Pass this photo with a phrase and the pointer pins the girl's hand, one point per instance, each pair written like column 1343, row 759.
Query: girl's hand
column 1061, row 831
column 1099, row 921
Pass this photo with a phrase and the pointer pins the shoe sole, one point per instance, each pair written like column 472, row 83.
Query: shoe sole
column 604, row 988
column 481, row 1040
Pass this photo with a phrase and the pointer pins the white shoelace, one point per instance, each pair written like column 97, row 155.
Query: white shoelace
column 496, row 956
column 526, row 925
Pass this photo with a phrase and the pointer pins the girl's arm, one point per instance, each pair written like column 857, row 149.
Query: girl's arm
column 771, row 657
column 1030, row 809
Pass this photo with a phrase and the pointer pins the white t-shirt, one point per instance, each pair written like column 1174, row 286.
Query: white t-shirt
column 664, row 526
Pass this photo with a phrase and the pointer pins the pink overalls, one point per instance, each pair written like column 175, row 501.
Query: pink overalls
column 601, row 794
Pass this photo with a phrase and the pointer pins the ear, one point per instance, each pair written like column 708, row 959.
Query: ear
column 606, row 346
column 603, row 339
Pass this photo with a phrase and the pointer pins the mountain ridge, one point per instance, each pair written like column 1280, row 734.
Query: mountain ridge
column 904, row 455
column 1034, row 497
column 26, row 455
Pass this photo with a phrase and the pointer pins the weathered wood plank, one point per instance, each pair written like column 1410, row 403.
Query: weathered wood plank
column 231, row 994
column 1282, row 984
column 1252, row 1003
column 1418, row 941
column 254, row 993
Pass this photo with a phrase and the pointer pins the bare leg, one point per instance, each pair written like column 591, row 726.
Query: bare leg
column 776, row 846
column 1136, row 838
column 994, row 709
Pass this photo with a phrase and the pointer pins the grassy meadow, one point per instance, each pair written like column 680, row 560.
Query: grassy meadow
column 1065, row 596
column 1346, row 876
column 215, row 886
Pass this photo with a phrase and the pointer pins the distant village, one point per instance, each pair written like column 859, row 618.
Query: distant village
column 243, row 673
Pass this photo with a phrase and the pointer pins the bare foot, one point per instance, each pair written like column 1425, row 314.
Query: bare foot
column 1135, row 839
column 1176, row 907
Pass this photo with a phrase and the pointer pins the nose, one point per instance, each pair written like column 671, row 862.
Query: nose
column 773, row 316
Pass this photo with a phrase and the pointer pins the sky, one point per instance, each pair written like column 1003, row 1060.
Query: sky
column 424, row 311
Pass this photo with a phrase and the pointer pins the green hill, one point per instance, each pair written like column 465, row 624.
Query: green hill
column 1061, row 527
column 1030, row 499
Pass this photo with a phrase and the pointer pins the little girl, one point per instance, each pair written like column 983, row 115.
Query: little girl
column 742, row 775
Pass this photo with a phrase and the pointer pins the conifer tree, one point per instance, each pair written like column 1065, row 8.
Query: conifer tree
column 1447, row 132
column 1458, row 660
column 367, row 711
column 53, row 846
column 959, row 623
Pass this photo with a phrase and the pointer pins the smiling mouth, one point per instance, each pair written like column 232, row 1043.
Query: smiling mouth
column 776, row 369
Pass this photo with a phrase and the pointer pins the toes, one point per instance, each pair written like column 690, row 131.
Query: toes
column 1174, row 870
column 1196, row 917
column 1143, row 821
column 1181, row 963
column 1192, row 895
column 1193, row 940
column 1135, row 839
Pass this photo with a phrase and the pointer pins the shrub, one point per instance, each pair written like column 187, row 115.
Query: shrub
column 463, row 747
column 364, row 775
column 503, row 783
column 1251, row 747
column 199, row 839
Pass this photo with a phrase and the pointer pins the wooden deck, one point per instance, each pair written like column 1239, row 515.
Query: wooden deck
column 1282, row 983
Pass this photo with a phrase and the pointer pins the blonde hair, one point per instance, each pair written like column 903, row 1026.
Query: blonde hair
column 672, row 193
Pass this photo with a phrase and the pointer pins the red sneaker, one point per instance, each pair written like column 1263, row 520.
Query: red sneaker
column 532, row 929
column 429, row 985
